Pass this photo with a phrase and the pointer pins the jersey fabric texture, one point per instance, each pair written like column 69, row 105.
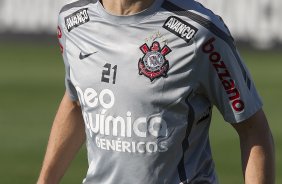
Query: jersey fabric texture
column 147, row 84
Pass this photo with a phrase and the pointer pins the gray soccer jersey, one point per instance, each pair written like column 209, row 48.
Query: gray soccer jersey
column 147, row 84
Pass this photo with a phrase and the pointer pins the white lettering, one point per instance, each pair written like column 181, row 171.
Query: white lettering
column 90, row 97
column 95, row 128
column 110, row 145
column 125, row 146
column 102, row 100
column 190, row 34
column 128, row 124
column 115, row 121
column 101, row 123
column 176, row 26
column 157, row 127
column 130, row 147
column 136, row 127
column 151, row 147
column 182, row 28
column 168, row 24
column 141, row 147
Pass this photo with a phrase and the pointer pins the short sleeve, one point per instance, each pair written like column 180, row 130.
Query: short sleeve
column 225, row 80
column 61, row 34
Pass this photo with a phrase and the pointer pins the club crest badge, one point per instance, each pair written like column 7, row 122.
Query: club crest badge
column 154, row 64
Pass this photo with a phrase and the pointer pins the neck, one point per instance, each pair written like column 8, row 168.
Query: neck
column 125, row 7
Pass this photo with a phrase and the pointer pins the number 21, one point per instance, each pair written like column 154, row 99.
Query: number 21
column 106, row 73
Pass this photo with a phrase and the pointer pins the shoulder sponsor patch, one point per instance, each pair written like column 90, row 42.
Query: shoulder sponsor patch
column 180, row 28
column 76, row 19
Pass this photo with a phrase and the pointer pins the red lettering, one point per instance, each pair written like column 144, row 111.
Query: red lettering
column 215, row 57
column 238, row 105
column 223, row 75
column 227, row 82
column 61, row 48
column 208, row 47
column 219, row 65
column 59, row 32
column 235, row 93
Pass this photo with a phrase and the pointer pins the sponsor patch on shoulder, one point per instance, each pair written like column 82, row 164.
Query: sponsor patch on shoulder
column 76, row 19
column 180, row 28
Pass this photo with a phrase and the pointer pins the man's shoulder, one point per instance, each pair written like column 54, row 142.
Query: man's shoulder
column 77, row 4
column 190, row 6
column 199, row 14
column 75, row 14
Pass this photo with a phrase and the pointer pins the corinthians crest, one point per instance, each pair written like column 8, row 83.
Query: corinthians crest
column 154, row 64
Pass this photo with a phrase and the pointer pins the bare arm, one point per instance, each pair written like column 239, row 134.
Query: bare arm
column 257, row 150
column 67, row 136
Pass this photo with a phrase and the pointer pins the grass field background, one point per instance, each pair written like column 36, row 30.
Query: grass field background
column 32, row 84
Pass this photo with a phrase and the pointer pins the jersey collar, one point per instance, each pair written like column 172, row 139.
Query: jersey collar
column 130, row 19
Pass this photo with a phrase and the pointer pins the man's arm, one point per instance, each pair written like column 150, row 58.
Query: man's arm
column 67, row 136
column 257, row 150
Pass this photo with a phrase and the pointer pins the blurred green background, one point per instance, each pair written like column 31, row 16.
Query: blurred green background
column 32, row 84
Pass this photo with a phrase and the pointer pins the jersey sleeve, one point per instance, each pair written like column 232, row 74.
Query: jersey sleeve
column 225, row 80
column 62, row 37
